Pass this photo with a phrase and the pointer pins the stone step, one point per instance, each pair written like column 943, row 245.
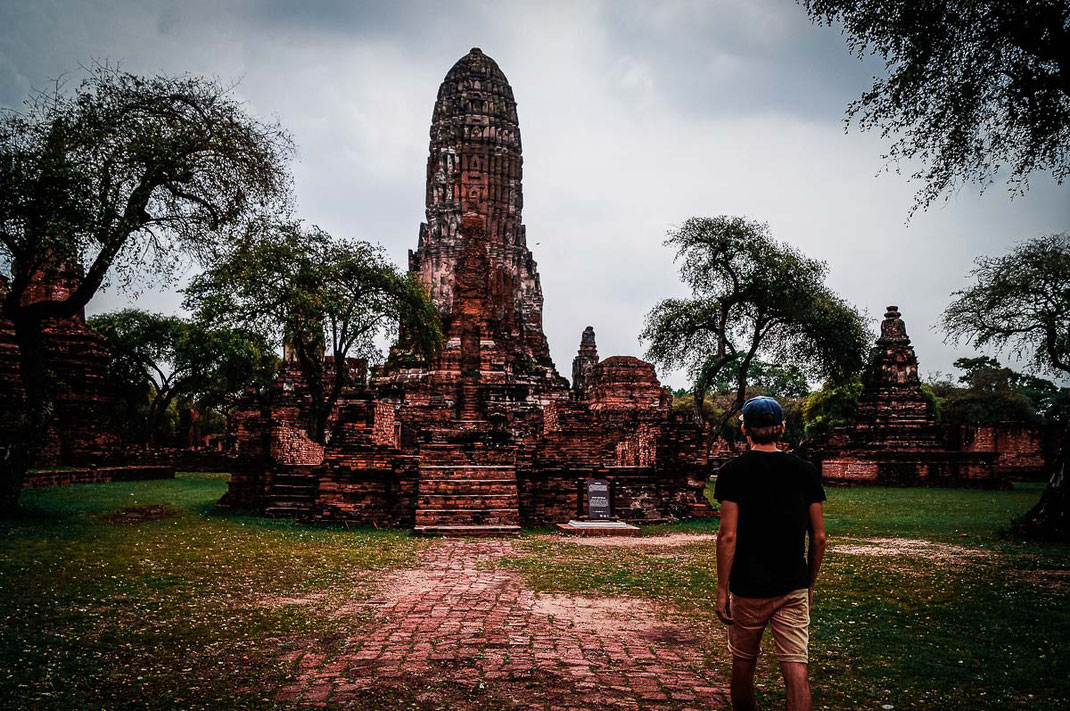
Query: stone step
column 468, row 517
column 453, row 454
column 480, row 531
column 502, row 500
column 466, row 486
column 284, row 490
column 287, row 510
column 467, row 471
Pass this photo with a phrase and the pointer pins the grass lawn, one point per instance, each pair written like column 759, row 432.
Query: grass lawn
column 132, row 595
column 167, row 602
column 933, row 619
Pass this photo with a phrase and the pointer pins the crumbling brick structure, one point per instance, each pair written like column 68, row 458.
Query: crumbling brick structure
column 896, row 440
column 84, row 430
column 487, row 435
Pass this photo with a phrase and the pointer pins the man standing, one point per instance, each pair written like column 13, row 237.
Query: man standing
column 770, row 501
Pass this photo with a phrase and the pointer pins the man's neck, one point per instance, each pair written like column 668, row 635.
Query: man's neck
column 763, row 447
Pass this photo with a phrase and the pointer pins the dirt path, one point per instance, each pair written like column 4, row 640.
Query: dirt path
column 456, row 633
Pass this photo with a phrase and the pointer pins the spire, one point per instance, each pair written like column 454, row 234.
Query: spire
column 585, row 361
column 893, row 330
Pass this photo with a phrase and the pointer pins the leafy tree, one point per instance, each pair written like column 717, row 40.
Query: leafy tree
column 120, row 175
column 770, row 379
column 834, row 405
column 302, row 287
column 1020, row 301
column 752, row 297
column 174, row 357
column 973, row 87
column 989, row 394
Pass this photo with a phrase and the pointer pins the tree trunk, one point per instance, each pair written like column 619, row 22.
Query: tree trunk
column 698, row 404
column 18, row 453
column 1050, row 518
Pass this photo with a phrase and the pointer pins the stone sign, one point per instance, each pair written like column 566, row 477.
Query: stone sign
column 598, row 499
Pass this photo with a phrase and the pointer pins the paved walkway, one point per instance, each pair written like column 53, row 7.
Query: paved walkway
column 461, row 634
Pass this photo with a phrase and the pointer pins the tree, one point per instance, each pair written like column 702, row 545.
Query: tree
column 990, row 393
column 975, row 88
column 834, row 405
column 779, row 381
column 121, row 175
column 752, row 297
column 174, row 357
column 302, row 287
column 1020, row 302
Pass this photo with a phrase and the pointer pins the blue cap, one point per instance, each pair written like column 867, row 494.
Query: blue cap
column 762, row 412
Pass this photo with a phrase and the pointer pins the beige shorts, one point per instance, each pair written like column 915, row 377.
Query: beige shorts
column 788, row 615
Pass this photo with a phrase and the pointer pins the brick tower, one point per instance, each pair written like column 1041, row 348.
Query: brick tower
column 473, row 256
column 896, row 439
column 484, row 393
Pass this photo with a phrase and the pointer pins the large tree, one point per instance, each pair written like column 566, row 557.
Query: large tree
column 122, row 174
column 975, row 89
column 317, row 294
column 752, row 296
column 174, row 357
column 1020, row 302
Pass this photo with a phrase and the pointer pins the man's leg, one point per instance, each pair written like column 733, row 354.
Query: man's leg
column 749, row 618
column 743, row 684
column 798, row 686
column 791, row 634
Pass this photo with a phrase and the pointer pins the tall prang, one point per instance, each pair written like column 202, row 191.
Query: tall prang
column 486, row 435
column 472, row 252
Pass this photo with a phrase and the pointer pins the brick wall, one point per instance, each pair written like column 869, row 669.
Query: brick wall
column 40, row 478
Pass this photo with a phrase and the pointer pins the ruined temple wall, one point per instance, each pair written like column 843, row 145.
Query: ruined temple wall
column 637, row 494
column 957, row 469
column 657, row 465
column 1019, row 448
column 378, row 488
column 84, row 429
column 66, row 476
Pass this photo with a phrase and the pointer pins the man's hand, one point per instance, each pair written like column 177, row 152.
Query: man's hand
column 724, row 609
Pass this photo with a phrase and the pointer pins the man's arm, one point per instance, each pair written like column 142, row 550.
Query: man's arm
column 816, row 553
column 726, row 553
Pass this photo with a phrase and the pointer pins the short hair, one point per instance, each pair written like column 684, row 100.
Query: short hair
column 770, row 434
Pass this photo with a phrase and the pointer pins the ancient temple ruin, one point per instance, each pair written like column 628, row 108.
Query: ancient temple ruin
column 487, row 436
column 896, row 439
column 84, row 430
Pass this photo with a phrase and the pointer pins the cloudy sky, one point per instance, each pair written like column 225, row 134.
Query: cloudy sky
column 635, row 116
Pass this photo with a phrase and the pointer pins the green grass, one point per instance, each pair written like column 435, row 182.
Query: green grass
column 101, row 609
column 98, row 612
column 981, row 624
column 935, row 514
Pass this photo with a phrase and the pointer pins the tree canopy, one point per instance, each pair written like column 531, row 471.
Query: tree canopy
column 171, row 356
column 1019, row 302
column 752, row 296
column 974, row 89
column 120, row 175
column 989, row 393
column 779, row 381
column 300, row 286
column 127, row 173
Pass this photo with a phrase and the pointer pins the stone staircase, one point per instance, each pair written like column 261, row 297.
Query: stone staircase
column 292, row 493
column 467, row 490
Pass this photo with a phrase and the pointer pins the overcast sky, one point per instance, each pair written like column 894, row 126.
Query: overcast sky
column 634, row 116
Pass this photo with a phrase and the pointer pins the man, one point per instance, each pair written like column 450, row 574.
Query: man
column 770, row 501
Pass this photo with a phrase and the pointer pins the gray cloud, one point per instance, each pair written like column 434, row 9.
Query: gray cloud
column 635, row 116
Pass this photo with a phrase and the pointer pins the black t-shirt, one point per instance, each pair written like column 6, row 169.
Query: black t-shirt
column 774, row 491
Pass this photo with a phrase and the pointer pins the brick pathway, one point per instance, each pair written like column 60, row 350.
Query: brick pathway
column 457, row 634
